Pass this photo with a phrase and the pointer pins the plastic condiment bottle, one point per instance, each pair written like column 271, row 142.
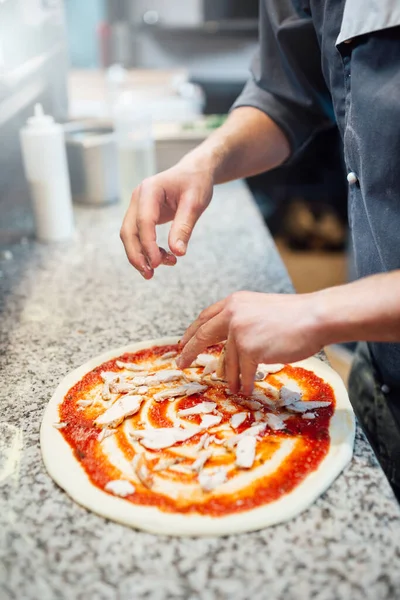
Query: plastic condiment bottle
column 46, row 169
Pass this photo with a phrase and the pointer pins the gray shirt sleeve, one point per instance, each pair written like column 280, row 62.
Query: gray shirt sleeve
column 286, row 77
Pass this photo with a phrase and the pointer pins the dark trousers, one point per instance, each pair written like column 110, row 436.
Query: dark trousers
column 378, row 413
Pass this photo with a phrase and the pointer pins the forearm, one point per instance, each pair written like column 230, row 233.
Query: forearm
column 249, row 142
column 366, row 310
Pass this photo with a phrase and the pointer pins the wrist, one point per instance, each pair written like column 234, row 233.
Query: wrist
column 336, row 318
column 206, row 161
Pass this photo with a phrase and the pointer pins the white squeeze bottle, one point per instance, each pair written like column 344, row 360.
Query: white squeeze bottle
column 46, row 169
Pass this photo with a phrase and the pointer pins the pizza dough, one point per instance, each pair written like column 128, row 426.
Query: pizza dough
column 67, row 471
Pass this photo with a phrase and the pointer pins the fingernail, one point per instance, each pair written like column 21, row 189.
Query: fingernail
column 181, row 246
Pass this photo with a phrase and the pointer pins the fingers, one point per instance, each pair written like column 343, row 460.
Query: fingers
column 188, row 212
column 167, row 258
column 247, row 371
column 232, row 365
column 148, row 204
column 130, row 239
column 212, row 332
column 204, row 316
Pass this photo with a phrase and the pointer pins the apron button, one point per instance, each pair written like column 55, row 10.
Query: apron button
column 352, row 178
column 385, row 389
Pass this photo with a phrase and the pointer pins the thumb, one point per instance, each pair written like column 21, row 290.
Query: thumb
column 189, row 210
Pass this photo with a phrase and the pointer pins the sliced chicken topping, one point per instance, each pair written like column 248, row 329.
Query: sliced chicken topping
column 84, row 403
column 203, row 360
column 141, row 468
column 60, row 425
column 163, row 437
column 259, row 394
column 165, row 463
column 187, row 389
column 251, row 404
column 169, row 355
column 123, row 387
column 120, row 410
column 142, row 389
column 202, row 442
column 133, row 366
column 163, row 376
column 302, row 406
column 274, row 422
column 201, row 461
column 308, row 415
column 198, row 409
column 211, row 366
column 209, row 440
column 288, row 396
column 105, row 433
column 258, row 415
column 109, row 376
column 105, row 392
column 255, row 430
column 246, row 452
column 263, row 370
column 211, row 478
column 210, row 420
column 237, row 419
column 120, row 487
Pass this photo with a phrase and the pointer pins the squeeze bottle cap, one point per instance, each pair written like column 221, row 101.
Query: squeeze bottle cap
column 40, row 120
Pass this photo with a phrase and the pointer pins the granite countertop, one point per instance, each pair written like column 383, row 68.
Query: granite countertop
column 63, row 304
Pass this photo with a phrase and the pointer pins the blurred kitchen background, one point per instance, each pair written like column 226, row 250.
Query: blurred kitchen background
column 138, row 83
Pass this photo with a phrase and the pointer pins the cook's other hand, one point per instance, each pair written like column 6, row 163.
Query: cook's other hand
column 249, row 142
column 259, row 328
column 179, row 195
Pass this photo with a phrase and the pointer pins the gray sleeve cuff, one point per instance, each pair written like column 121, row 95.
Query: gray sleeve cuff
column 299, row 125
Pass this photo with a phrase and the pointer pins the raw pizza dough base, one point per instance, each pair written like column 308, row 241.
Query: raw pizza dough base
column 67, row 472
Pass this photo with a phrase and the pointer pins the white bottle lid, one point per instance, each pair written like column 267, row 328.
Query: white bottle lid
column 40, row 120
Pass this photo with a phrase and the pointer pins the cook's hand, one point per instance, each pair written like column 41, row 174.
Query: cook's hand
column 179, row 195
column 266, row 328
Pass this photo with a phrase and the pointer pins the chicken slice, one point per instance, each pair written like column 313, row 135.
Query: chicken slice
column 246, row 452
column 169, row 355
column 105, row 433
column 141, row 468
column 201, row 461
column 302, row 406
column 163, row 376
column 163, row 437
column 289, row 396
column 120, row 487
column 123, row 387
column 109, row 376
column 124, row 407
column 255, row 430
column 308, row 415
column 211, row 478
column 251, row 404
column 237, row 419
column 210, row 420
column 133, row 366
column 198, row 409
column 211, row 366
column 203, row 360
column 165, row 463
column 274, row 422
column 263, row 370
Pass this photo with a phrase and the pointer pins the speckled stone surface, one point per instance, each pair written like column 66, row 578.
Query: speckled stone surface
column 61, row 305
